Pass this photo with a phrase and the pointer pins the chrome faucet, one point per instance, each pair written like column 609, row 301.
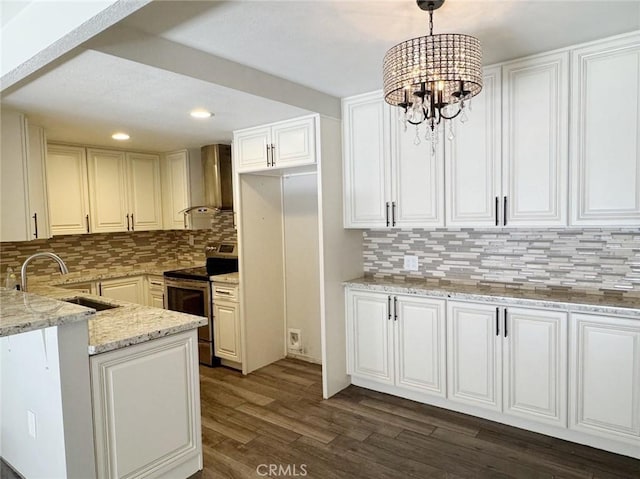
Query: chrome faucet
column 23, row 270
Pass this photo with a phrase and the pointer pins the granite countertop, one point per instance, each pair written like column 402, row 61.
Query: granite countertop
column 127, row 324
column 229, row 278
column 23, row 312
column 616, row 304
column 88, row 275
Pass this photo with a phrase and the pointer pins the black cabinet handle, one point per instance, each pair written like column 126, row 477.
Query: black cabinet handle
column 389, row 308
column 128, row 228
column 387, row 213
column 504, row 219
column 395, row 308
column 393, row 213
column 133, row 227
column 497, row 321
column 35, row 221
column 268, row 148
column 273, row 149
column 87, row 218
column 497, row 208
column 505, row 322
column 99, row 289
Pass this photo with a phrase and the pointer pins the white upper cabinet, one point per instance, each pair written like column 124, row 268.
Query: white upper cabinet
column 176, row 189
column 145, row 199
column 389, row 180
column 605, row 133
column 68, row 190
column 417, row 177
column 279, row 145
column 108, row 191
column 535, row 140
column 366, row 162
column 473, row 160
column 24, row 211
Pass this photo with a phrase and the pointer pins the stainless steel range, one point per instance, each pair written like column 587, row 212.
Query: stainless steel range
column 189, row 290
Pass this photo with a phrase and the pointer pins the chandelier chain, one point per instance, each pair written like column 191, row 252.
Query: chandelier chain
column 431, row 22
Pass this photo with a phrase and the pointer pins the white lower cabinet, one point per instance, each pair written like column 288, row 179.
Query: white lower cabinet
column 129, row 289
column 227, row 330
column 509, row 360
column 146, row 409
column 155, row 291
column 605, row 377
column 397, row 340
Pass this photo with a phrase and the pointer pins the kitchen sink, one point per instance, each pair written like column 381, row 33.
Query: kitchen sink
column 90, row 303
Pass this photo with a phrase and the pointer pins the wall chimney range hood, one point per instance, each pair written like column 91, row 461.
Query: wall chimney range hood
column 218, row 192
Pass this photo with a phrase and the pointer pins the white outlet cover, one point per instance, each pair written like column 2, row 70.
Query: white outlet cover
column 31, row 423
column 411, row 263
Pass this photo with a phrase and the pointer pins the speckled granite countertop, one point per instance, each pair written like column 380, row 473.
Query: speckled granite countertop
column 127, row 324
column 505, row 294
column 23, row 312
column 229, row 278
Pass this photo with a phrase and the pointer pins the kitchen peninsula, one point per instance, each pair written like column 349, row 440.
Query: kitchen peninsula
column 104, row 393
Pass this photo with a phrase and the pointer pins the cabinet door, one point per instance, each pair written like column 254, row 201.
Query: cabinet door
column 369, row 336
column 176, row 189
column 366, row 162
column 126, row 289
column 145, row 199
column 36, row 171
column 108, row 191
column 535, row 136
column 417, row 191
column 68, row 190
column 605, row 134
column 251, row 152
column 535, row 365
column 294, row 143
column 474, row 355
column 605, row 376
column 473, row 159
column 226, row 324
column 146, row 409
column 420, row 344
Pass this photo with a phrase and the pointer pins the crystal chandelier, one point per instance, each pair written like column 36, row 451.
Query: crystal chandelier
column 432, row 78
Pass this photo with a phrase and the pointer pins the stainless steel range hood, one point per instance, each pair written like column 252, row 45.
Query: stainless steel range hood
column 218, row 192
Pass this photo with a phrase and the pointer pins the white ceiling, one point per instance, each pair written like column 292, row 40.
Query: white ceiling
column 332, row 46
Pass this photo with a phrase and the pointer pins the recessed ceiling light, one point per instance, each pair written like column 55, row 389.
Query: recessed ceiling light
column 120, row 136
column 201, row 113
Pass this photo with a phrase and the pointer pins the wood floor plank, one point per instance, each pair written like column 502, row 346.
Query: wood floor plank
column 277, row 415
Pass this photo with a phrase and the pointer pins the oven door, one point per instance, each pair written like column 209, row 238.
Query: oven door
column 193, row 297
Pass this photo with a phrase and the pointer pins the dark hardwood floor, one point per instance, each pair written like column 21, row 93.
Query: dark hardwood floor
column 274, row 423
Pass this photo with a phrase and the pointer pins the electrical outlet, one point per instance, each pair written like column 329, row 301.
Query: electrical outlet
column 191, row 240
column 411, row 263
column 31, row 423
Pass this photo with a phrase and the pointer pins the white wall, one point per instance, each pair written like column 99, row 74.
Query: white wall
column 301, row 250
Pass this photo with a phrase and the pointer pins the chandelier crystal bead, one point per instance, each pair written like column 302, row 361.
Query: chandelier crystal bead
column 433, row 77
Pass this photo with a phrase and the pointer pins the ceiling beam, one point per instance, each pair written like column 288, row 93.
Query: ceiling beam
column 140, row 47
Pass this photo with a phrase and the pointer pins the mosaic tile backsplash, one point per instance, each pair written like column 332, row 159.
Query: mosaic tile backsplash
column 104, row 250
column 591, row 260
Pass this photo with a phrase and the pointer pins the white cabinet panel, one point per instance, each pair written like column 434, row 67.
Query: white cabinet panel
column 474, row 355
column 129, row 289
column 37, row 188
column 605, row 147
column 293, row 143
column 366, row 161
column 535, row 365
column 473, row 160
column 146, row 409
column 420, row 344
column 251, row 153
column 605, row 376
column 176, row 189
column 226, row 323
column 145, row 199
column 417, row 196
column 108, row 197
column 68, row 190
column 369, row 336
column 535, row 135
